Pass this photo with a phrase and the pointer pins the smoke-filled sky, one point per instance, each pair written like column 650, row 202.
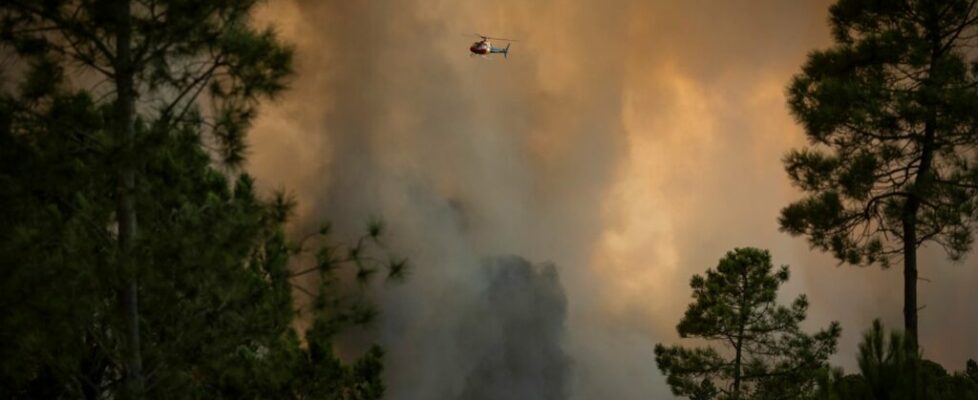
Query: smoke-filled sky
column 630, row 142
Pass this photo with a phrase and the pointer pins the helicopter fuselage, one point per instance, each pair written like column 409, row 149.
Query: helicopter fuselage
column 481, row 47
column 484, row 47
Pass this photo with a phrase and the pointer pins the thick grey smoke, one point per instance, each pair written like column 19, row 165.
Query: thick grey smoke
column 515, row 334
column 631, row 142
column 464, row 158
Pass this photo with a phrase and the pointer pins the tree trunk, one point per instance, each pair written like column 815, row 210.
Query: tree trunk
column 125, row 208
column 922, row 181
column 737, row 358
column 912, row 207
column 742, row 321
column 920, row 187
column 910, row 272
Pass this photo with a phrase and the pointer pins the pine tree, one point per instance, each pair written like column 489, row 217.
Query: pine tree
column 209, row 264
column 891, row 368
column 766, row 355
column 889, row 112
column 217, row 285
column 164, row 52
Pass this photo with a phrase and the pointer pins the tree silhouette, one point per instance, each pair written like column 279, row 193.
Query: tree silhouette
column 117, row 110
column 889, row 114
column 767, row 355
column 891, row 368
column 164, row 53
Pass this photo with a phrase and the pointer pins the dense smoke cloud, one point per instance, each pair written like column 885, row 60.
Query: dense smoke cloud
column 515, row 334
column 631, row 142
column 464, row 158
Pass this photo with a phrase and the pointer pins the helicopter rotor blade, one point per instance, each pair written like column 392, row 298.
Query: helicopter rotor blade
column 494, row 38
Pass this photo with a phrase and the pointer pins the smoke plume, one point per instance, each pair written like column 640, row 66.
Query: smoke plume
column 515, row 334
column 630, row 142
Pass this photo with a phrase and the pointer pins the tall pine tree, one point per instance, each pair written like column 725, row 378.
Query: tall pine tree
column 164, row 53
column 889, row 111
column 765, row 355
column 108, row 124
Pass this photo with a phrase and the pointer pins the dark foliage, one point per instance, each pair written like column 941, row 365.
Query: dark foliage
column 892, row 369
column 209, row 266
column 889, row 111
column 765, row 355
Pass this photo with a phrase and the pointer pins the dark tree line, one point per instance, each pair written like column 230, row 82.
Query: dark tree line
column 757, row 350
column 137, row 260
column 890, row 367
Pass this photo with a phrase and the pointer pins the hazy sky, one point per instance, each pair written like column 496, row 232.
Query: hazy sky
column 631, row 143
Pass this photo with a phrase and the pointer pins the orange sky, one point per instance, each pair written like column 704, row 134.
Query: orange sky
column 632, row 143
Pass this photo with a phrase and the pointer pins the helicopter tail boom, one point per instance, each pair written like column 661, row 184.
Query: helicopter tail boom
column 501, row 50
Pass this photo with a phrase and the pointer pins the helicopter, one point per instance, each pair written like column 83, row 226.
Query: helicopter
column 484, row 47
